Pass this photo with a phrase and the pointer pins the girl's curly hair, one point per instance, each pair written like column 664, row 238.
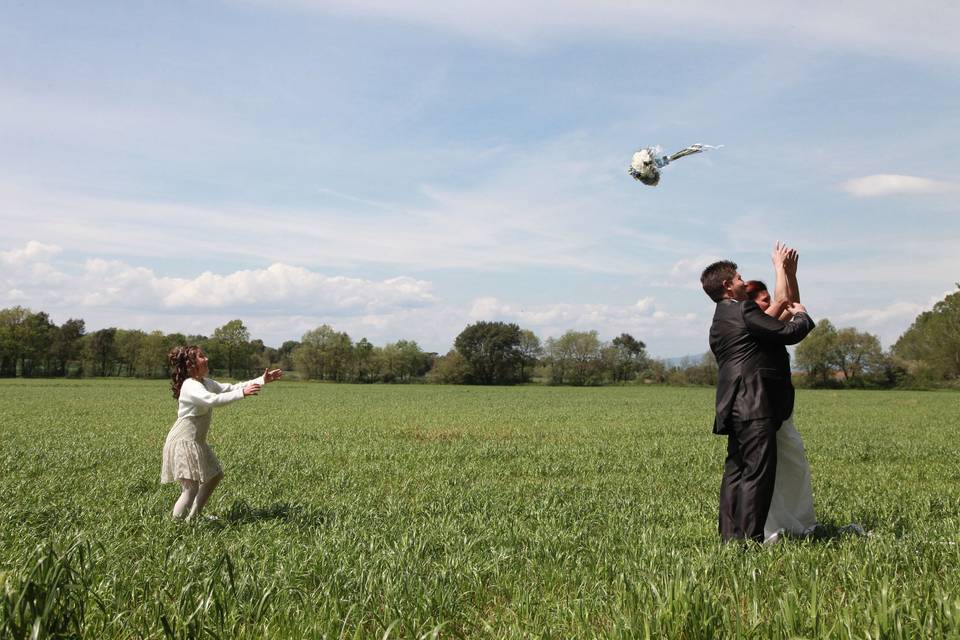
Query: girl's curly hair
column 182, row 360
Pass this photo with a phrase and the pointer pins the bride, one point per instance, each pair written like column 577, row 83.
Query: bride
column 791, row 509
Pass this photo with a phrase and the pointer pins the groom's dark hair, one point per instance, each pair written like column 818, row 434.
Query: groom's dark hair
column 714, row 275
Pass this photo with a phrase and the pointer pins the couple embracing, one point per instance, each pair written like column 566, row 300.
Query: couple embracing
column 766, row 486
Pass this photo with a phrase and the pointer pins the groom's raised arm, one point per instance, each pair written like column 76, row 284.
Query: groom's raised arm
column 764, row 327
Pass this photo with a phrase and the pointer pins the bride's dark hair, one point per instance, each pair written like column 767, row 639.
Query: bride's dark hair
column 182, row 360
column 755, row 288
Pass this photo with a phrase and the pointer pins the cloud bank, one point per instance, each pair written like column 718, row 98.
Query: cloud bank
column 113, row 283
column 887, row 184
column 283, row 301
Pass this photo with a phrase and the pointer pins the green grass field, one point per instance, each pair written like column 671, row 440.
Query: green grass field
column 409, row 511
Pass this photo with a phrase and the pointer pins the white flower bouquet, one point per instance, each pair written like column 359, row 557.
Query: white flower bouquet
column 648, row 161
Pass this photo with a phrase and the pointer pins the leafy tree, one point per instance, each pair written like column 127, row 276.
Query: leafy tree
column 284, row 354
column 128, row 344
column 323, row 354
column 816, row 354
column 931, row 346
column 415, row 361
column 402, row 360
column 180, row 340
column 25, row 341
column 232, row 342
column 339, row 354
column 152, row 356
column 654, row 372
column 449, row 369
column 10, row 345
column 37, row 333
column 492, row 351
column 890, row 372
column 67, row 345
column 364, row 361
column 576, row 358
column 530, row 352
column 101, row 348
column 629, row 357
column 263, row 357
column 387, row 363
column 832, row 356
column 857, row 355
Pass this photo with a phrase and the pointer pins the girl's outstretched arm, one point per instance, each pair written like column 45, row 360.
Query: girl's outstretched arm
column 199, row 394
column 226, row 387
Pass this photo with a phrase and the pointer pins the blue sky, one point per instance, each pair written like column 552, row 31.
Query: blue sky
column 401, row 169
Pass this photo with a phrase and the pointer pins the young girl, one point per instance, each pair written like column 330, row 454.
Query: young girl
column 187, row 457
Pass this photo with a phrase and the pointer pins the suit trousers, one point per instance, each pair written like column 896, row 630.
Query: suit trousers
column 748, row 478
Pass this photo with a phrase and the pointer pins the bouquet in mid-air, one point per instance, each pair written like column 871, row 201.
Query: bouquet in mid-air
column 648, row 161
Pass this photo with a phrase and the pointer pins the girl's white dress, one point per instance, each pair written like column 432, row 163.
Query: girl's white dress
column 791, row 509
column 186, row 453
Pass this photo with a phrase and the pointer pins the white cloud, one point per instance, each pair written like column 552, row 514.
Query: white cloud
column 891, row 28
column 899, row 311
column 33, row 251
column 113, row 283
column 282, row 284
column 886, row 184
column 889, row 321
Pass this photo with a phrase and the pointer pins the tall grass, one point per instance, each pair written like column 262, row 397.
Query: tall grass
column 377, row 511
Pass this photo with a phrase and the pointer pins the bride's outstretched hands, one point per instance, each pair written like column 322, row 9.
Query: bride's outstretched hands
column 780, row 255
column 270, row 376
column 784, row 257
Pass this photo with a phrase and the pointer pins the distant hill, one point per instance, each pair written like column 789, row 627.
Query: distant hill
column 679, row 360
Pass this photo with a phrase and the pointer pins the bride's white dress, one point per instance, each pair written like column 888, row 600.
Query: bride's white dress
column 791, row 509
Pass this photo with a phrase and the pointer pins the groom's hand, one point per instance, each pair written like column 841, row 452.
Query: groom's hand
column 790, row 263
column 796, row 308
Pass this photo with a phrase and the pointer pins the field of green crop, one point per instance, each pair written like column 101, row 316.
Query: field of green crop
column 409, row 511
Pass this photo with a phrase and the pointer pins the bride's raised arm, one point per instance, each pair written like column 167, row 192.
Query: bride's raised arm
column 781, row 292
column 786, row 291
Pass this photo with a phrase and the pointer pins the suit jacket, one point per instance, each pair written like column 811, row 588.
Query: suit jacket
column 754, row 377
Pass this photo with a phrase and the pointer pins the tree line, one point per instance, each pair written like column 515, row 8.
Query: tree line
column 31, row 345
column 927, row 355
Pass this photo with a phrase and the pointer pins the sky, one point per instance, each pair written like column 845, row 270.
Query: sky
column 399, row 170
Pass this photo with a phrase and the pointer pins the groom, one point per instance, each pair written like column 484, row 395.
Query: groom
column 754, row 396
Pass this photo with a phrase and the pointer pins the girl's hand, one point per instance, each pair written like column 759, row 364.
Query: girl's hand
column 270, row 376
column 251, row 390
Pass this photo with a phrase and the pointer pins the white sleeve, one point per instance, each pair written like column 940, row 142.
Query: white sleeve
column 223, row 387
column 197, row 394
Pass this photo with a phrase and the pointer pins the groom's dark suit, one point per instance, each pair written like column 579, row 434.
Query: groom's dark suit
column 754, row 397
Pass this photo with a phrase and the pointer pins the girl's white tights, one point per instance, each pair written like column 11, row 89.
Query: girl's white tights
column 194, row 496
